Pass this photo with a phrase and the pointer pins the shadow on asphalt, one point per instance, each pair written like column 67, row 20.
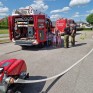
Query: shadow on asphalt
column 36, row 48
column 38, row 87
column 31, row 48
column 33, row 87
column 81, row 44
column 52, row 84
column 51, row 48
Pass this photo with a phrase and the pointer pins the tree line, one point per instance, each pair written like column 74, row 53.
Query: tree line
column 89, row 19
column 4, row 23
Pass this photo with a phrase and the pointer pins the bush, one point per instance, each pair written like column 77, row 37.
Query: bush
column 87, row 28
column 80, row 29
column 89, row 19
column 3, row 27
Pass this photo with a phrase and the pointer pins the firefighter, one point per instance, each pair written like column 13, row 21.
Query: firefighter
column 73, row 33
column 66, row 36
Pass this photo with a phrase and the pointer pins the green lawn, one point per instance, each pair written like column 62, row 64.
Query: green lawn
column 4, row 36
column 5, row 41
column 3, row 31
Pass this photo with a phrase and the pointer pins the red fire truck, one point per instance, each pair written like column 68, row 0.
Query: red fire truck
column 61, row 24
column 28, row 29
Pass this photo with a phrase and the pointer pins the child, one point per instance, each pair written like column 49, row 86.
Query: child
column 54, row 40
column 59, row 41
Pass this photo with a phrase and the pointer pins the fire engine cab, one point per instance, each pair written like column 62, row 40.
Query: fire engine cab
column 61, row 24
column 29, row 27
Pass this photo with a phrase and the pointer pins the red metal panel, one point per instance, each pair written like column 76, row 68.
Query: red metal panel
column 10, row 26
column 40, row 19
column 14, row 66
column 7, row 63
column 61, row 24
column 23, row 67
column 1, row 77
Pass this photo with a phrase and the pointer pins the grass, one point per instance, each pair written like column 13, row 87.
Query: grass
column 87, row 30
column 4, row 36
column 84, row 29
column 5, row 41
column 3, row 31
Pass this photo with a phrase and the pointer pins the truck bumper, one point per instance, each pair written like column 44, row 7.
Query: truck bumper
column 25, row 43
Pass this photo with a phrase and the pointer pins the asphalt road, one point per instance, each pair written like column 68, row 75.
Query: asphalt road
column 48, row 61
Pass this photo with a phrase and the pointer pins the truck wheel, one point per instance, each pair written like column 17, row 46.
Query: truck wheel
column 41, row 45
column 24, row 47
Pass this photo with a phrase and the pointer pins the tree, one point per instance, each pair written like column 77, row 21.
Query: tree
column 4, row 22
column 89, row 19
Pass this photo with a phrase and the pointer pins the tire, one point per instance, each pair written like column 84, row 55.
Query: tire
column 41, row 45
column 24, row 47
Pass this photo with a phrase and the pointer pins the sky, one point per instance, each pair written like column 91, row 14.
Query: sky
column 72, row 9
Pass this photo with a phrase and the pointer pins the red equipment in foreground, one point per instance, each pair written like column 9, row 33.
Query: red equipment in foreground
column 28, row 29
column 11, row 70
column 61, row 24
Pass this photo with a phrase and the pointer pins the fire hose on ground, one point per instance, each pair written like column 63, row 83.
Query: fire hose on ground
column 53, row 77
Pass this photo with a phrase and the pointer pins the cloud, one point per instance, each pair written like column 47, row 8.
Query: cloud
column 90, row 11
column 77, row 14
column 1, row 4
column 56, row 16
column 3, row 9
column 78, row 2
column 3, row 14
column 38, row 5
column 65, row 9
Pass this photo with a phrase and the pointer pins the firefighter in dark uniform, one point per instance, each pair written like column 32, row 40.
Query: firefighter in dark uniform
column 73, row 33
column 66, row 36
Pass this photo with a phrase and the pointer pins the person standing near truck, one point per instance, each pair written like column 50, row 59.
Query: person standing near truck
column 59, row 40
column 66, row 36
column 56, row 31
column 54, row 40
column 73, row 34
